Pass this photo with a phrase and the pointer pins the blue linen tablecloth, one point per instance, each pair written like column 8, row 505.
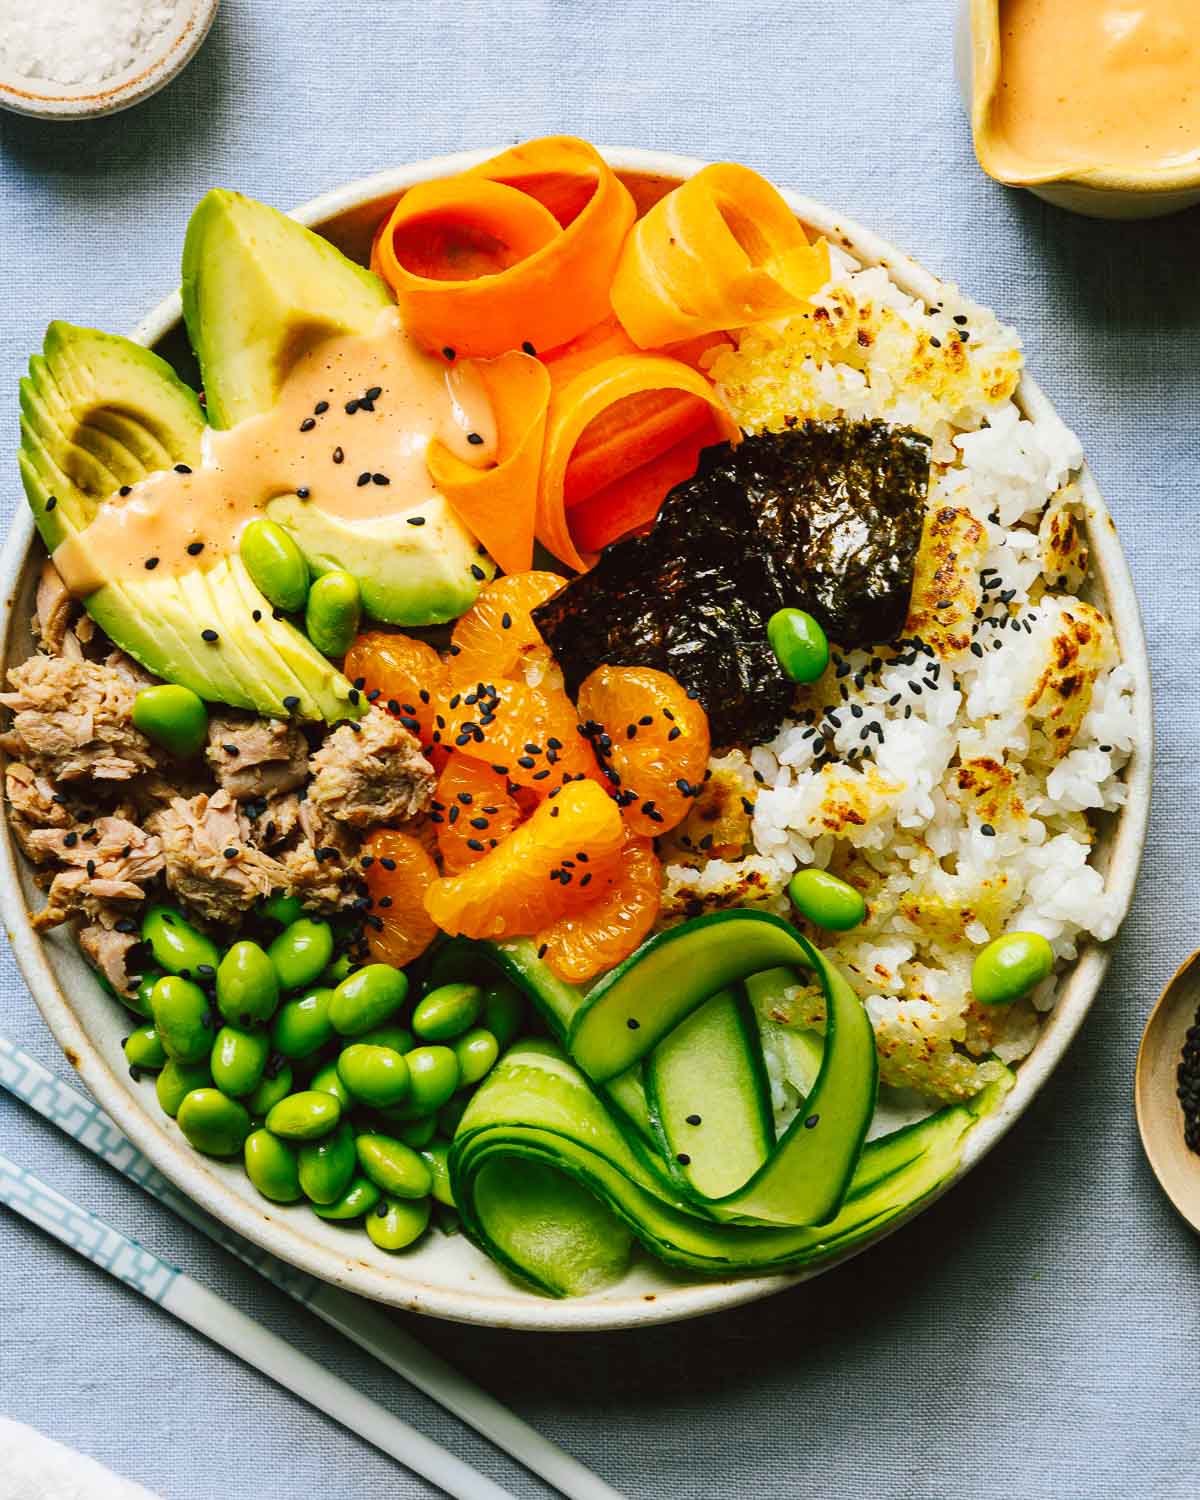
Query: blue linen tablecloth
column 1035, row 1334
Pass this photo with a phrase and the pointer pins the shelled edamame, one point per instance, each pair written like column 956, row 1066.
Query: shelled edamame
column 339, row 1085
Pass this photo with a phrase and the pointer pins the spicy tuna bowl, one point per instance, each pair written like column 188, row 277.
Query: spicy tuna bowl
column 852, row 384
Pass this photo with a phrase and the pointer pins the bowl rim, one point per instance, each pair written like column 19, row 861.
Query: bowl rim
column 982, row 18
column 521, row 1309
column 78, row 105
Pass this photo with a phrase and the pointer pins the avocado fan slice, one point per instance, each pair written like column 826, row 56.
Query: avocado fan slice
column 260, row 290
column 99, row 412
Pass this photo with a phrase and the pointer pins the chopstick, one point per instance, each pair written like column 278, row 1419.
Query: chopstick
column 176, row 1292
column 81, row 1119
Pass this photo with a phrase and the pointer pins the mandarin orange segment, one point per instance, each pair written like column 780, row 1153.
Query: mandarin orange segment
column 585, row 943
column 652, row 742
column 472, row 810
column 535, row 875
column 528, row 735
column 406, row 673
column 399, row 872
column 497, row 634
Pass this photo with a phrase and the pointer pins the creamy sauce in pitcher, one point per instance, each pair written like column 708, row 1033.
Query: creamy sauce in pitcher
column 1096, row 83
column 348, row 434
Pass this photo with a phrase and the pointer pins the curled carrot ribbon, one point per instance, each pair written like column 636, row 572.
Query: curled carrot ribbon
column 619, row 433
column 498, row 504
column 718, row 252
column 518, row 252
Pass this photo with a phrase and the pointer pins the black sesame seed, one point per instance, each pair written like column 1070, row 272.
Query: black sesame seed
column 53, row 501
column 633, row 1024
column 811, row 1121
column 195, row 549
column 363, row 479
column 528, row 348
column 209, row 635
column 477, row 572
column 308, row 424
column 380, row 479
column 987, row 830
column 338, row 455
column 291, row 703
column 182, row 469
column 151, row 564
column 683, row 1158
column 303, row 492
column 416, row 520
column 475, row 439
column 693, row 1119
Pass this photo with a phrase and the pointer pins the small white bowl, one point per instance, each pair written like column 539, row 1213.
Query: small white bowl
column 1099, row 192
column 151, row 72
column 446, row 1277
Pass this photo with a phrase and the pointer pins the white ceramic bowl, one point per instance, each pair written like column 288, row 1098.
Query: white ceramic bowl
column 1098, row 192
column 151, row 72
column 446, row 1277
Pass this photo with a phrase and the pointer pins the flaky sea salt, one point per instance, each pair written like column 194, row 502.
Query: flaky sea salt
column 83, row 43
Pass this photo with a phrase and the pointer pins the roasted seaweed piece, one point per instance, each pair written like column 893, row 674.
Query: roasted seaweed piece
column 693, row 599
column 839, row 506
column 826, row 517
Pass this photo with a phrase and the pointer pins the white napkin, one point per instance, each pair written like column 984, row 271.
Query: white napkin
column 33, row 1467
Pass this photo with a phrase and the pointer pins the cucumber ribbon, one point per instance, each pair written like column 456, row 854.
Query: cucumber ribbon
column 564, row 1156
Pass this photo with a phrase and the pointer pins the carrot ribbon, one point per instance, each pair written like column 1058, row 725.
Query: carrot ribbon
column 718, row 252
column 517, row 252
column 498, row 504
column 619, row 433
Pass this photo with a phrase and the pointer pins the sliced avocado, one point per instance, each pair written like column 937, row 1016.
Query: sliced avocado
column 259, row 291
column 409, row 574
column 98, row 412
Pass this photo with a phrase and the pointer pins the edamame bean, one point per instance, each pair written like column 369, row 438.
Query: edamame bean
column 337, row 970
column 366, row 999
column 327, row 1166
column 359, row 1198
column 451, row 1113
column 800, row 645
column 393, row 1166
column 176, row 1082
column 213, row 1123
column 276, row 564
column 276, row 1084
column 1010, row 967
column 183, row 1016
column 304, row 1116
column 328, row 1080
column 475, row 1053
column 433, row 1073
column 176, row 945
column 283, row 907
column 247, row 985
column 333, row 612
column 376, row 1075
column 396, row 1223
column 447, row 1012
column 238, row 1060
column 301, row 951
column 302, row 1027
column 826, row 901
column 138, row 1000
column 437, row 1158
column 398, row 1038
column 272, row 1167
column 172, row 716
column 144, row 1049
column 503, row 1011
column 418, row 1133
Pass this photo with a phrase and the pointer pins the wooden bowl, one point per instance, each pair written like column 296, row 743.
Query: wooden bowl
column 1159, row 1114
column 447, row 1277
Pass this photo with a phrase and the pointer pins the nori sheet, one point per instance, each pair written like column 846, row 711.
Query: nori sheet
column 826, row 517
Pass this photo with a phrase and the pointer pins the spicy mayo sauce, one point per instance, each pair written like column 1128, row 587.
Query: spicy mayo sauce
column 1095, row 83
column 348, row 434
